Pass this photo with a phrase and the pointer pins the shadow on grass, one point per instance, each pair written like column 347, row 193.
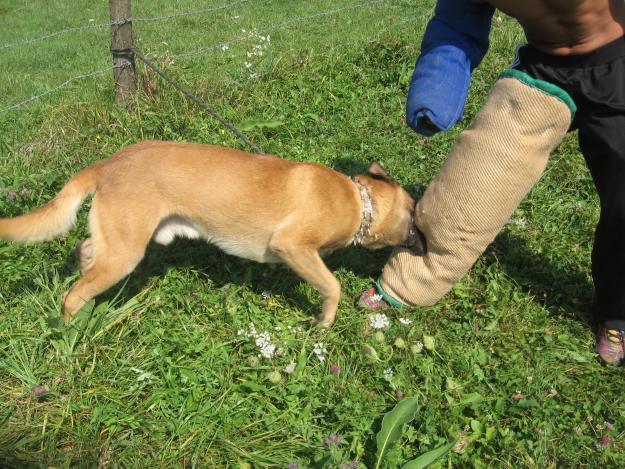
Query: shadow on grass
column 560, row 287
column 223, row 269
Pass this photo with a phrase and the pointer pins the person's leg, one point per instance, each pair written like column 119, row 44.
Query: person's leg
column 608, row 257
column 492, row 166
column 602, row 141
column 597, row 83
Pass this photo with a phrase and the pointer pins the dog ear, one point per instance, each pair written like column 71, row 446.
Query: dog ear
column 377, row 171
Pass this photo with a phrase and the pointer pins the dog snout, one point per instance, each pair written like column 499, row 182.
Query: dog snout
column 416, row 241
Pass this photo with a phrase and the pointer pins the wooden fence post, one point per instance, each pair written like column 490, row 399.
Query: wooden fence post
column 121, row 48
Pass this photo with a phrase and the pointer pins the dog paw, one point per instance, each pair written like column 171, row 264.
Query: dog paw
column 325, row 324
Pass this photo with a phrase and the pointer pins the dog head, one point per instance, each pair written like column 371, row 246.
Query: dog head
column 393, row 213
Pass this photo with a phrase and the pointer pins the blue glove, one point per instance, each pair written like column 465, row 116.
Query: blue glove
column 454, row 43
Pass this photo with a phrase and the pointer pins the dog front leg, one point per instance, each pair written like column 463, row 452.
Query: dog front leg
column 307, row 263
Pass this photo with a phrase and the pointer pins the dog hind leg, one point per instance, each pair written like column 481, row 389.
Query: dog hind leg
column 84, row 255
column 112, row 252
column 104, row 272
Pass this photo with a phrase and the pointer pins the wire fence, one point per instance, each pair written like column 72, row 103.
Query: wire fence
column 86, row 27
column 262, row 31
column 63, row 85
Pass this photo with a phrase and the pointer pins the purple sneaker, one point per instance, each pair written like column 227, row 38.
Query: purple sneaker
column 371, row 299
column 611, row 344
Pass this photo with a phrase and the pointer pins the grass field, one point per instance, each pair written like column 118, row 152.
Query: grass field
column 164, row 369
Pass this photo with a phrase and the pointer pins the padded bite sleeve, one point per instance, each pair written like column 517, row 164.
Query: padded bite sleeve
column 491, row 168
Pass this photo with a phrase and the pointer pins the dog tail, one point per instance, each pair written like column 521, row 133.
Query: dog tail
column 56, row 217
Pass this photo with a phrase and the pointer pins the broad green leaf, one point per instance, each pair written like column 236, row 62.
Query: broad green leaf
column 471, row 398
column 528, row 403
column 111, row 318
column 476, row 426
column 251, row 125
column 429, row 458
column 578, row 357
column 392, row 425
column 77, row 326
column 252, row 386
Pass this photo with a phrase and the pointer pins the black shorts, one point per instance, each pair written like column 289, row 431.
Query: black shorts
column 596, row 82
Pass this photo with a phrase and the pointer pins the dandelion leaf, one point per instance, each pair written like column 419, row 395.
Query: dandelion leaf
column 393, row 424
column 426, row 459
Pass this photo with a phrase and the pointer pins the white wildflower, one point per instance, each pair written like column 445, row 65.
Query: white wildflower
column 519, row 222
column 378, row 321
column 405, row 321
column 319, row 349
column 290, row 368
column 388, row 373
column 417, row 347
column 142, row 375
column 225, row 47
column 263, row 342
column 247, row 64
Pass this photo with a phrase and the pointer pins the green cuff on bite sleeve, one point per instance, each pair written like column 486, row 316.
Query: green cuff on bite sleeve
column 544, row 86
column 388, row 298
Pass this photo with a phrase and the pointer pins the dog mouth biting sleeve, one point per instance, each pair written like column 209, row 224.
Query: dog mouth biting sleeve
column 491, row 168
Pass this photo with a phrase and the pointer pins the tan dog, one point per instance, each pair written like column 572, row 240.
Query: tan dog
column 257, row 207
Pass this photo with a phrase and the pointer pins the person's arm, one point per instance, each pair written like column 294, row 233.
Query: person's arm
column 455, row 42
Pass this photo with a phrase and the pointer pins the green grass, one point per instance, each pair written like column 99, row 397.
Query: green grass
column 156, row 374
